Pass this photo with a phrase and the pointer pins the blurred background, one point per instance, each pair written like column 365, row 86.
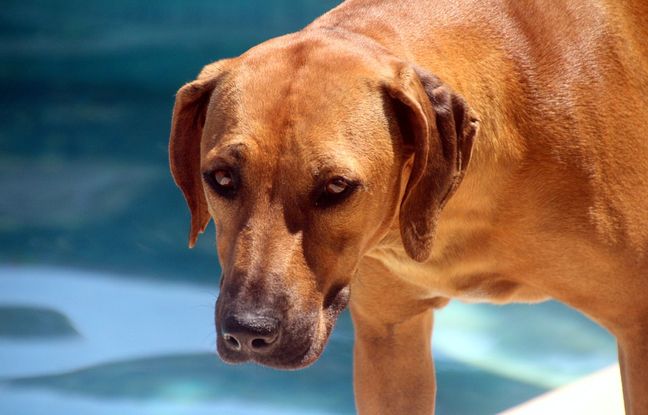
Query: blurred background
column 103, row 309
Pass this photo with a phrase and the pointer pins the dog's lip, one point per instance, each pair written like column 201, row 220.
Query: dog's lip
column 315, row 347
column 301, row 359
column 339, row 302
column 232, row 358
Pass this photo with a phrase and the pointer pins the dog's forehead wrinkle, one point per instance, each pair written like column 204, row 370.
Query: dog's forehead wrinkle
column 298, row 49
column 336, row 161
column 236, row 150
column 232, row 150
column 298, row 72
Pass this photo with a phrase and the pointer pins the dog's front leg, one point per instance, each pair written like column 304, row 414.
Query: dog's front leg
column 633, row 357
column 393, row 367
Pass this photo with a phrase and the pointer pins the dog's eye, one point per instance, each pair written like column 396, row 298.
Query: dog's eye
column 336, row 186
column 335, row 190
column 222, row 181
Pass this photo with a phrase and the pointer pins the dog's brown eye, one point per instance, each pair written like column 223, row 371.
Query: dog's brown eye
column 334, row 191
column 224, row 179
column 223, row 182
column 336, row 186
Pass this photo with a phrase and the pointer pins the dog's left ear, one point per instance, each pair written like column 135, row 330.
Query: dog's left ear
column 441, row 128
column 189, row 114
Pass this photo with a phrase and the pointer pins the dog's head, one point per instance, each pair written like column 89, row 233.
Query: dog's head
column 305, row 151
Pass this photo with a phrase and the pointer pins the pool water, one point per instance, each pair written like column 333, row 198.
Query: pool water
column 103, row 310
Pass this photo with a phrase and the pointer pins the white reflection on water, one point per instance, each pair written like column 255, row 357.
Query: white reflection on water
column 547, row 345
column 117, row 319
column 18, row 402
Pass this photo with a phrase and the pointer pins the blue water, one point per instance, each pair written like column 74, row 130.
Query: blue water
column 103, row 310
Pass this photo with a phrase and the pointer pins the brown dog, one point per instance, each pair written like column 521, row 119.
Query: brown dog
column 331, row 158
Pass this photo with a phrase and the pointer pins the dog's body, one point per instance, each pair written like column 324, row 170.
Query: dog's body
column 552, row 205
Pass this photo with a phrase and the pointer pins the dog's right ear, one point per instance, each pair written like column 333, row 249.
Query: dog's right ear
column 189, row 113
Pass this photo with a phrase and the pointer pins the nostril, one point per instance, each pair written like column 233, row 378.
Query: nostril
column 260, row 344
column 232, row 341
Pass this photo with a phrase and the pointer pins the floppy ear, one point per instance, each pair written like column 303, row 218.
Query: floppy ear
column 184, row 145
column 441, row 129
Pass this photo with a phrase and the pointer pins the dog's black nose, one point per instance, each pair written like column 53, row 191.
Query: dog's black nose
column 250, row 333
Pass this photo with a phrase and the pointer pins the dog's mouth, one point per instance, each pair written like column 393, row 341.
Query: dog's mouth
column 300, row 342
